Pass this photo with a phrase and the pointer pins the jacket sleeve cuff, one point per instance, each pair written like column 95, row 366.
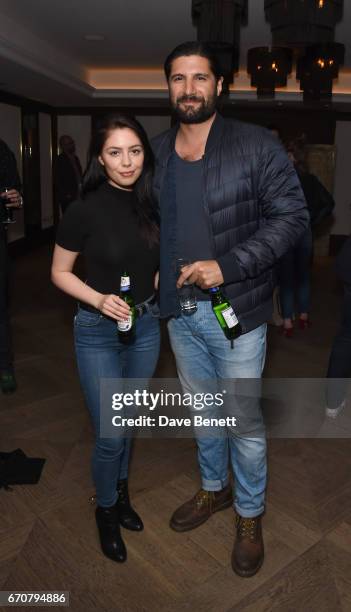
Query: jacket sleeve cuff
column 230, row 268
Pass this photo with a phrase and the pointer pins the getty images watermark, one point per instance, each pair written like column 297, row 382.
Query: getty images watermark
column 275, row 408
column 162, row 407
column 169, row 400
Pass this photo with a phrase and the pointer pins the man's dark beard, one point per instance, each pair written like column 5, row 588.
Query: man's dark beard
column 195, row 115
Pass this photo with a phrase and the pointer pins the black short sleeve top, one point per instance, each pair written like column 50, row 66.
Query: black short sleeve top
column 104, row 228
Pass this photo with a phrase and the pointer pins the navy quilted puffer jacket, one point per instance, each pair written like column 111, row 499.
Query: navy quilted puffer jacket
column 256, row 211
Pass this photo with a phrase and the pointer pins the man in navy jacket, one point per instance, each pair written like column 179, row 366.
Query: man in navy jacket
column 231, row 203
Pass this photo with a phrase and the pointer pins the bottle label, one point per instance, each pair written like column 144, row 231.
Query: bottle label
column 229, row 316
column 125, row 283
column 126, row 325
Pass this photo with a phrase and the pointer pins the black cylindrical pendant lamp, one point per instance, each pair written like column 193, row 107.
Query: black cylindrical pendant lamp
column 298, row 23
column 317, row 69
column 269, row 68
column 218, row 22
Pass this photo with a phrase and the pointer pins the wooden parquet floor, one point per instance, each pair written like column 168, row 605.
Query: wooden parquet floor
column 48, row 539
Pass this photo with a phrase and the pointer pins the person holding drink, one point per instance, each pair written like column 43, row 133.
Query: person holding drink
column 10, row 199
column 231, row 203
column 115, row 226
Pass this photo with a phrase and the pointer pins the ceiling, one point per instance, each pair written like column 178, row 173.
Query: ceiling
column 44, row 54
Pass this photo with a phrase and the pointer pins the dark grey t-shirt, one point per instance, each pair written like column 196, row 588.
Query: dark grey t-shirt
column 193, row 234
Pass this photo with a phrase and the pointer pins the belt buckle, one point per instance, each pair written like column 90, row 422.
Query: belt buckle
column 140, row 310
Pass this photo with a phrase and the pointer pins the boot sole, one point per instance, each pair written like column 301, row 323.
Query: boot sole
column 182, row 528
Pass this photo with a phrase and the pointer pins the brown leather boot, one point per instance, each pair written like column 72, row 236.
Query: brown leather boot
column 200, row 507
column 248, row 551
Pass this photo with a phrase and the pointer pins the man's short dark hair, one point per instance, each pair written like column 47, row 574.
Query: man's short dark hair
column 202, row 49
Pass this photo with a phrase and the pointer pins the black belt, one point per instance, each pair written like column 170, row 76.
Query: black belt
column 141, row 308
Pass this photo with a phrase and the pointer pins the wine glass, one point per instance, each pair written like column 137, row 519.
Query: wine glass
column 8, row 210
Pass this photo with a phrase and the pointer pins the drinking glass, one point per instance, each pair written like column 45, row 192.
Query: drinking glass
column 8, row 210
column 186, row 293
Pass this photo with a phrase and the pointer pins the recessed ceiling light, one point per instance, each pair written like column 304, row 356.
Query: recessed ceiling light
column 94, row 37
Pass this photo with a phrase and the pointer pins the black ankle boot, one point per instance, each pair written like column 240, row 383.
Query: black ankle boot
column 111, row 541
column 128, row 518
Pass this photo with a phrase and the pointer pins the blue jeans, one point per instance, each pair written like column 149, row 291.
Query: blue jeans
column 100, row 354
column 203, row 352
column 294, row 272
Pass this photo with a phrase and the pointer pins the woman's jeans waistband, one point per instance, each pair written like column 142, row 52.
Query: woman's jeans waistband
column 149, row 305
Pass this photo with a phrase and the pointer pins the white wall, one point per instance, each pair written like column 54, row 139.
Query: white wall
column 154, row 125
column 11, row 133
column 45, row 144
column 79, row 128
column 342, row 193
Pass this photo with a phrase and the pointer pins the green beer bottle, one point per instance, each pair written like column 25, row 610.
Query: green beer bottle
column 225, row 314
column 126, row 328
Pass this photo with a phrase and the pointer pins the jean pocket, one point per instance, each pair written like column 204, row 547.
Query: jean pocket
column 84, row 318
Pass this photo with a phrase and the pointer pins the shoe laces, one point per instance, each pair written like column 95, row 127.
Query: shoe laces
column 203, row 498
column 247, row 527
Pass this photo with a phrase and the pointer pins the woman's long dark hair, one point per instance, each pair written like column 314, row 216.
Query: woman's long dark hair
column 94, row 176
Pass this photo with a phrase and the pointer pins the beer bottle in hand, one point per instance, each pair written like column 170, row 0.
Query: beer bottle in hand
column 126, row 328
column 225, row 314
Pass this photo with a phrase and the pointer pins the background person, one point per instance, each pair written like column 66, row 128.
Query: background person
column 9, row 179
column 115, row 227
column 295, row 265
column 339, row 367
column 67, row 173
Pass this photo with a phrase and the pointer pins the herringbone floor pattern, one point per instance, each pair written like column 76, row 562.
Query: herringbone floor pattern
column 48, row 539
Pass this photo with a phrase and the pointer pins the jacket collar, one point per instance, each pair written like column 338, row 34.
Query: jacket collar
column 215, row 133
column 214, row 137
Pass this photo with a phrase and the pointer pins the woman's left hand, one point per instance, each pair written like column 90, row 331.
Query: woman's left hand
column 112, row 306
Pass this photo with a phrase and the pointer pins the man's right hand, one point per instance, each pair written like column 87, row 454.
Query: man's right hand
column 205, row 274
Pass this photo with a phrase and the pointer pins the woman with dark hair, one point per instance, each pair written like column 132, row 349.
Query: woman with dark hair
column 115, row 227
